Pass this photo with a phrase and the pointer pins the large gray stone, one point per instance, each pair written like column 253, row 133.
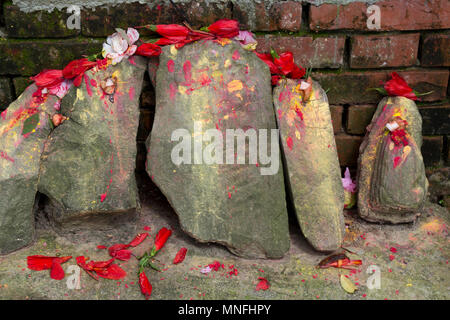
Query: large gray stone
column 88, row 164
column 24, row 127
column 311, row 163
column 222, row 87
column 392, row 183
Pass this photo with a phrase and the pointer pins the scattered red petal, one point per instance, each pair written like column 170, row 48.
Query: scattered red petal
column 180, row 256
column 263, row 284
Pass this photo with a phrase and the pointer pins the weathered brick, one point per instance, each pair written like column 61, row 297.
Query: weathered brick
column 38, row 24
column 102, row 21
column 28, row 58
column 20, row 84
column 352, row 87
column 436, row 119
column 395, row 15
column 359, row 117
column 348, row 149
column 379, row 51
column 5, row 93
column 268, row 15
column 436, row 50
column 432, row 150
column 321, row 52
column 336, row 118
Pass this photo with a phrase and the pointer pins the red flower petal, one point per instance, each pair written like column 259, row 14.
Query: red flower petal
column 138, row 239
column 225, row 28
column 180, row 256
column 172, row 31
column 48, row 78
column 117, row 247
column 40, row 262
column 77, row 67
column 397, row 86
column 393, row 250
column 102, row 247
column 148, row 50
column 123, row 255
column 161, row 238
column 57, row 271
column 263, row 284
column 113, row 272
column 146, row 287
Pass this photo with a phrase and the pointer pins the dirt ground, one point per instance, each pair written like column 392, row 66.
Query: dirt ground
column 412, row 260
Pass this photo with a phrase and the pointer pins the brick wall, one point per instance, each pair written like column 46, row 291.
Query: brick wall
column 347, row 57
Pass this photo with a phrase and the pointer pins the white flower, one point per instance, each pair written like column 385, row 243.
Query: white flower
column 61, row 90
column 247, row 40
column 120, row 45
column 206, row 270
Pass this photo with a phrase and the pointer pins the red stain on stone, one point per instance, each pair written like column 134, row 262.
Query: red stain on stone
column 397, row 161
column 170, row 66
column 187, row 68
column 290, row 143
column 236, row 55
column 173, row 90
column 131, row 93
column 88, row 87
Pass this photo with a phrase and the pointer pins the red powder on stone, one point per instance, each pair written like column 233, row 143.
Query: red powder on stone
column 170, row 66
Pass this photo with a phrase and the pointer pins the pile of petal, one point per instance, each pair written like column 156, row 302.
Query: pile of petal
column 282, row 66
column 40, row 262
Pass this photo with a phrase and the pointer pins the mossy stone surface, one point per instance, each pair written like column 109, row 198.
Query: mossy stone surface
column 311, row 163
column 223, row 87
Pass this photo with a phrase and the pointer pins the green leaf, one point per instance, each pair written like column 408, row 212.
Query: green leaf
column 422, row 94
column 30, row 124
column 154, row 267
column 382, row 91
column 274, row 54
column 347, row 284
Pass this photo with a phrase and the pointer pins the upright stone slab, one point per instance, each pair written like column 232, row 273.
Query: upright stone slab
column 311, row 163
column 24, row 127
column 223, row 87
column 89, row 160
column 391, row 176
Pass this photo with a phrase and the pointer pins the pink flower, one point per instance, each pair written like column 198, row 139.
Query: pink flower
column 247, row 40
column 120, row 45
column 347, row 182
column 61, row 90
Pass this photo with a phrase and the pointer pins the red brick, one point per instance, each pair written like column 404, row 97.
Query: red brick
column 322, row 52
column 379, row 51
column 102, row 21
column 348, row 149
column 266, row 15
column 6, row 96
column 336, row 118
column 352, row 87
column 432, row 148
column 359, row 117
column 435, row 119
column 436, row 50
column 395, row 15
column 37, row 24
